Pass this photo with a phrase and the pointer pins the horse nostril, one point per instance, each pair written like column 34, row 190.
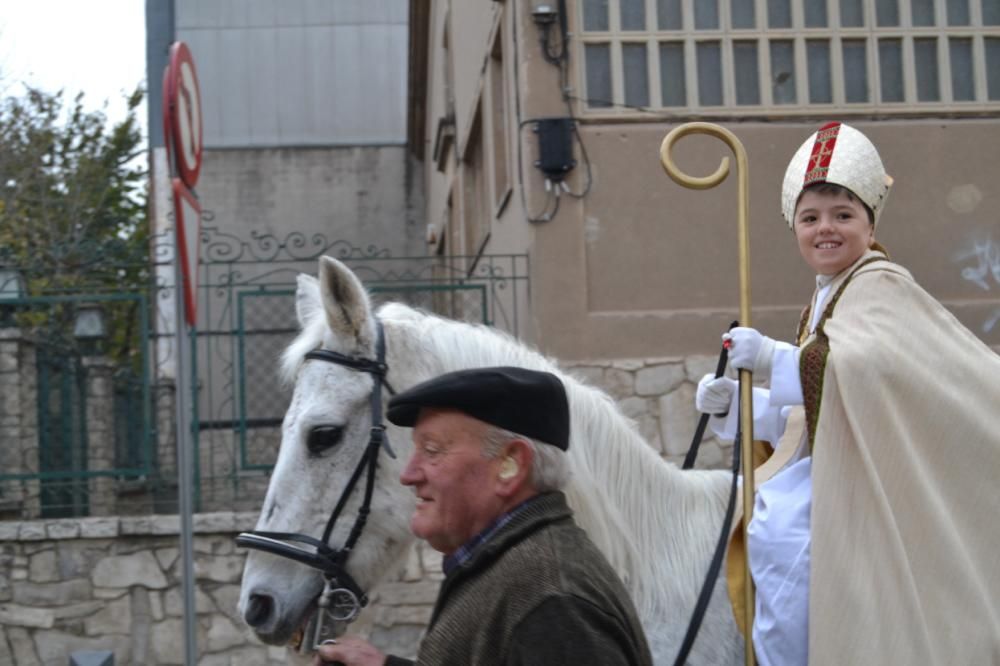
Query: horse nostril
column 258, row 609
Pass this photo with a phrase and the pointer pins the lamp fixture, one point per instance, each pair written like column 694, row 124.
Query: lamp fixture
column 11, row 289
column 544, row 14
column 90, row 326
column 11, row 284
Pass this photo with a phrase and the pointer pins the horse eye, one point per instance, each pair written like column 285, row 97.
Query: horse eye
column 322, row 438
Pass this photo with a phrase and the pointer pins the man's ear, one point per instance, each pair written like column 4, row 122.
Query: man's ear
column 508, row 468
column 514, row 472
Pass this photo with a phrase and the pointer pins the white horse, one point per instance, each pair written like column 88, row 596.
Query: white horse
column 656, row 524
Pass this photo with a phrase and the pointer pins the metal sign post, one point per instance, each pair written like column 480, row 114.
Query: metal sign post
column 185, row 452
column 183, row 138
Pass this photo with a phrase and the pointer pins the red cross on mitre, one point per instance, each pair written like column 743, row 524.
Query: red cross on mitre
column 822, row 154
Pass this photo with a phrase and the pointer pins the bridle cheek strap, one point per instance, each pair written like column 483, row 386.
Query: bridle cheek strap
column 321, row 556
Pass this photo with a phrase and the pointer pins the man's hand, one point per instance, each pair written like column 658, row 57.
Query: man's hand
column 749, row 350
column 349, row 651
column 714, row 395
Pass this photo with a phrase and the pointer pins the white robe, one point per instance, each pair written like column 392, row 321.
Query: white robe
column 779, row 530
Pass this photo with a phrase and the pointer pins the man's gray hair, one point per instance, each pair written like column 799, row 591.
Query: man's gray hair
column 550, row 469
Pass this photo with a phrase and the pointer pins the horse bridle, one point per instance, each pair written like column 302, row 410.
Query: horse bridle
column 342, row 598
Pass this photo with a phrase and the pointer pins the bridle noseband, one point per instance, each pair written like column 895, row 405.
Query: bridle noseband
column 342, row 598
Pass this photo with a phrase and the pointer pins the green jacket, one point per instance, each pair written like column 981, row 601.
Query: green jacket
column 538, row 592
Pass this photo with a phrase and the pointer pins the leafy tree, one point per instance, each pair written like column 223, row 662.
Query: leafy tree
column 73, row 201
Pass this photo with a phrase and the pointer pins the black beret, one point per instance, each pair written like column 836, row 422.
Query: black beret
column 526, row 402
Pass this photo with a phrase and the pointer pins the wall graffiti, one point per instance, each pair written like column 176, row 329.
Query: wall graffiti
column 985, row 273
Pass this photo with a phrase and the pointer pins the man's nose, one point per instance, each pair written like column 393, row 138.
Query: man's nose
column 409, row 476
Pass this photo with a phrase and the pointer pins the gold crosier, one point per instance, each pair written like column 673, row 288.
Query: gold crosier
column 746, row 404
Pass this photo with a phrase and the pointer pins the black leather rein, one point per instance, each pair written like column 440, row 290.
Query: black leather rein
column 715, row 566
column 317, row 553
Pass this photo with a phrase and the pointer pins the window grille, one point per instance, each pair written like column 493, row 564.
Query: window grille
column 787, row 57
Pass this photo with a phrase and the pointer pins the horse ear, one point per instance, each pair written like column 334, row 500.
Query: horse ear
column 348, row 311
column 307, row 299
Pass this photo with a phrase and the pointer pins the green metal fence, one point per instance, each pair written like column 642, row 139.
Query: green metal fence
column 62, row 434
column 74, row 401
column 87, row 416
column 248, row 319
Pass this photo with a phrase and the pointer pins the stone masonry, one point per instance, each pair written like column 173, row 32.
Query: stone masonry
column 658, row 395
column 114, row 584
column 18, row 420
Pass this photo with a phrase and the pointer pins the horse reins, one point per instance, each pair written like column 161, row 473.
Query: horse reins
column 701, row 606
column 342, row 597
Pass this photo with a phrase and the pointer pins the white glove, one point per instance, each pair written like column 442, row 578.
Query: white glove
column 714, row 395
column 749, row 350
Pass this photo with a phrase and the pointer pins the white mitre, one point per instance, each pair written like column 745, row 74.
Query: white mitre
column 841, row 155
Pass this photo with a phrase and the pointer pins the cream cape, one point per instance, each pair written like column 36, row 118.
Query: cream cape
column 906, row 469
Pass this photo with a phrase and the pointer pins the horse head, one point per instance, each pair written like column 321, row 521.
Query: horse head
column 325, row 442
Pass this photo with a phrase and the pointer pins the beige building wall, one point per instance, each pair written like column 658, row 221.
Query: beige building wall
column 641, row 267
column 647, row 267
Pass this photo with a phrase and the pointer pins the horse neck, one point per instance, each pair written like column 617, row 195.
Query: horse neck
column 654, row 523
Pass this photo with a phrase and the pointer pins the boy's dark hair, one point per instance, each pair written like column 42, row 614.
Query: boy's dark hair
column 832, row 189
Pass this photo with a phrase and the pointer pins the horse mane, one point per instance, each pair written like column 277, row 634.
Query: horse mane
column 648, row 517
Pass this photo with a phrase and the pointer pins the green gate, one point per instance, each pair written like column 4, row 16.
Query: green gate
column 62, row 434
column 77, row 417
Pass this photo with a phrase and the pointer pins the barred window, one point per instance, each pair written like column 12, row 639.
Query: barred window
column 789, row 56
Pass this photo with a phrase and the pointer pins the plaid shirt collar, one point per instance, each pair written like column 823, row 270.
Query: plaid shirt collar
column 464, row 552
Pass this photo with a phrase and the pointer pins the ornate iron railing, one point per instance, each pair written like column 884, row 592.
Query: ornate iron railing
column 246, row 316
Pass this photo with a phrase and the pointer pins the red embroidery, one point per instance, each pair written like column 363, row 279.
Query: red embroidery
column 822, row 154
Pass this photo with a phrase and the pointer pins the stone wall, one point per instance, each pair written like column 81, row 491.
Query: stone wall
column 18, row 421
column 114, row 584
column 658, row 395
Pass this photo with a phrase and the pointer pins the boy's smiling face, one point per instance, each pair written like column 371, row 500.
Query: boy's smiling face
column 832, row 230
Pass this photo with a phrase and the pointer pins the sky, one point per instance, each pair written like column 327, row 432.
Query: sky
column 98, row 48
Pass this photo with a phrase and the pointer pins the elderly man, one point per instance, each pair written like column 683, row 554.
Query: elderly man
column 523, row 584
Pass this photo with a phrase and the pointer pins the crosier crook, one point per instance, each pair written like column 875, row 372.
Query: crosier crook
column 743, row 231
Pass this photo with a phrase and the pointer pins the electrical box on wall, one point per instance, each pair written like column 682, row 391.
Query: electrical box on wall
column 555, row 147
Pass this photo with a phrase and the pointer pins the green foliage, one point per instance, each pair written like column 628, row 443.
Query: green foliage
column 73, row 202
column 72, row 191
